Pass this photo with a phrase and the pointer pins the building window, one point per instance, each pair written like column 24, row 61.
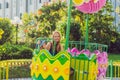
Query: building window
column 39, row 1
column 0, row 6
column 30, row 1
column 7, row 5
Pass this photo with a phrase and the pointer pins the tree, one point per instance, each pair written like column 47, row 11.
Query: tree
column 54, row 17
column 101, row 28
column 7, row 28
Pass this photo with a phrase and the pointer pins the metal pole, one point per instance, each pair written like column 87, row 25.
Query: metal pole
column 7, row 70
column 16, row 33
column 86, row 35
column 111, row 69
column 68, row 24
column 0, row 73
column 115, row 4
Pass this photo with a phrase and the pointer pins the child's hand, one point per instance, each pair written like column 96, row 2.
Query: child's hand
column 38, row 42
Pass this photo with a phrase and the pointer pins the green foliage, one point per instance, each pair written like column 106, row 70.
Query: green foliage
column 1, row 32
column 75, row 31
column 10, row 51
column 26, row 53
column 101, row 28
column 51, row 15
column 2, row 49
column 28, row 22
column 27, row 19
column 6, row 27
column 54, row 17
column 115, row 46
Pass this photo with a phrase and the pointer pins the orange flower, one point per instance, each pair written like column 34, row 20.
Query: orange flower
column 25, row 30
column 39, row 12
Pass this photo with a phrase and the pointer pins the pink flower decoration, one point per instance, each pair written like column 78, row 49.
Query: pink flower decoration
column 97, row 52
column 105, row 54
column 102, row 60
column 91, row 6
column 69, row 50
column 74, row 51
column 87, row 52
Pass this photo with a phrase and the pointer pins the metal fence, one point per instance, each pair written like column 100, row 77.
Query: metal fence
column 11, row 69
column 19, row 70
column 91, row 46
column 113, row 71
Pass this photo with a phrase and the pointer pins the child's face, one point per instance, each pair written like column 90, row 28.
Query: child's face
column 43, row 46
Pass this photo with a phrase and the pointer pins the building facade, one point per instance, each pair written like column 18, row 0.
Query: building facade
column 12, row 8
column 116, row 13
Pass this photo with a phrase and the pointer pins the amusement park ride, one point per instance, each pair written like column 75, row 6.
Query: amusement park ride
column 86, row 65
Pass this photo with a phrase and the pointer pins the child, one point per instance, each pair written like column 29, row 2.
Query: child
column 41, row 44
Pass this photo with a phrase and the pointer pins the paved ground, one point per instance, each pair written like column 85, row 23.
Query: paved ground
column 19, row 79
column 31, row 79
column 112, row 79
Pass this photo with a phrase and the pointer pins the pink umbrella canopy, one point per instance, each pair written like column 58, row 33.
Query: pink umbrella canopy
column 91, row 6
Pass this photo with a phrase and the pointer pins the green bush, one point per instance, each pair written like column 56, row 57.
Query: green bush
column 11, row 51
column 115, row 47
column 7, row 28
column 2, row 49
column 26, row 53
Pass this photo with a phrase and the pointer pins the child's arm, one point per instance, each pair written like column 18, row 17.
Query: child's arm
column 48, row 46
